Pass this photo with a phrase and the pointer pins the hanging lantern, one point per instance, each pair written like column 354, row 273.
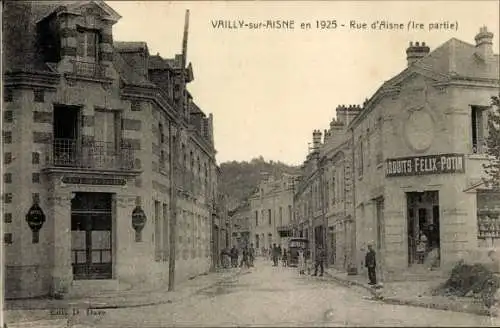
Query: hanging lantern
column 35, row 219
column 138, row 221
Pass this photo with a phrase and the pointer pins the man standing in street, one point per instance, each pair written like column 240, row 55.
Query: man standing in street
column 275, row 255
column 251, row 254
column 371, row 264
column 319, row 261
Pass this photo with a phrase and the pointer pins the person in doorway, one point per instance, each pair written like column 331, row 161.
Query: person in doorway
column 251, row 254
column 302, row 261
column 421, row 247
column 319, row 261
column 371, row 264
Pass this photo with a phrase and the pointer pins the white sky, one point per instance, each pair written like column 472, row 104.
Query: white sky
column 268, row 89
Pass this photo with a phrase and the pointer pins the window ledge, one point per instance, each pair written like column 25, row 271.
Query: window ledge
column 72, row 77
column 479, row 156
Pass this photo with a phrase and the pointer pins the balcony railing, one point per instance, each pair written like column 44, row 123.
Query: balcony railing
column 92, row 155
column 87, row 69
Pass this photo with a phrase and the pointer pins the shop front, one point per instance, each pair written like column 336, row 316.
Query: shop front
column 425, row 221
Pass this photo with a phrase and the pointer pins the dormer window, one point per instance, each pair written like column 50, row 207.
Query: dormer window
column 87, row 52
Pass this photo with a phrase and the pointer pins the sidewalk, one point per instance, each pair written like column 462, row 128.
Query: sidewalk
column 412, row 293
column 41, row 309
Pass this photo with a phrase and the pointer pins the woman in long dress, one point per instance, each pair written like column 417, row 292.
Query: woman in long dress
column 302, row 262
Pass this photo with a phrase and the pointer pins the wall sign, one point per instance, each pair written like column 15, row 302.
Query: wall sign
column 94, row 181
column 423, row 165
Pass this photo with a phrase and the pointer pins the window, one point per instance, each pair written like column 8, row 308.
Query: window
column 87, row 45
column 8, row 116
column 7, row 238
column 160, row 133
column 269, row 216
column 135, row 106
column 290, row 213
column 281, row 216
column 7, row 217
column 477, row 130
column 334, row 189
column 35, row 158
column 39, row 96
column 35, row 178
column 7, row 158
column 7, row 177
column 162, row 159
column 8, row 95
column 256, row 218
column 368, row 149
column 360, row 157
column 7, row 137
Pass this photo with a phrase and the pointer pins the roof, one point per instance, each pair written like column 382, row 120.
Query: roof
column 135, row 46
column 458, row 57
column 127, row 72
column 451, row 59
column 157, row 62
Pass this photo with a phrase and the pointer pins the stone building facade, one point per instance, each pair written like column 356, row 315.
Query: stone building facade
column 410, row 162
column 271, row 209
column 240, row 223
column 109, row 165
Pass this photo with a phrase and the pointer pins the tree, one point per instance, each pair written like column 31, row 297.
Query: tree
column 493, row 142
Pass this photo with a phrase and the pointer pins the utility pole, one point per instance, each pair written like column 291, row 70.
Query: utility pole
column 174, row 145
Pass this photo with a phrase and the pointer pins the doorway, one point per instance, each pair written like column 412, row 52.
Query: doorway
column 423, row 228
column 91, row 235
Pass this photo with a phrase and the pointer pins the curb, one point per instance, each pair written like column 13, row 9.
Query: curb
column 415, row 303
column 99, row 304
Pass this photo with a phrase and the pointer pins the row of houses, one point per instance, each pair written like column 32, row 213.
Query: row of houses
column 408, row 161
column 109, row 170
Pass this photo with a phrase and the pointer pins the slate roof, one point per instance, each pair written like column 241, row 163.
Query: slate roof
column 134, row 46
column 457, row 56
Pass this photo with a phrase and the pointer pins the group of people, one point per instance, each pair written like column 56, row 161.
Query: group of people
column 233, row 255
column 319, row 261
column 277, row 255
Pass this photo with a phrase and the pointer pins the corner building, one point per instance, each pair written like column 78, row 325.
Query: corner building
column 104, row 140
column 417, row 149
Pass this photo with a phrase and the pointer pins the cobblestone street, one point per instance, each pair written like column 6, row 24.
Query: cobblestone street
column 267, row 295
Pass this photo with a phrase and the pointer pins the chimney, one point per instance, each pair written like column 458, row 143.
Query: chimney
column 416, row 51
column 340, row 113
column 316, row 140
column 351, row 112
column 484, row 44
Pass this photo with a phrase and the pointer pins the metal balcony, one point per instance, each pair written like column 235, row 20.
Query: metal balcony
column 87, row 69
column 97, row 155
